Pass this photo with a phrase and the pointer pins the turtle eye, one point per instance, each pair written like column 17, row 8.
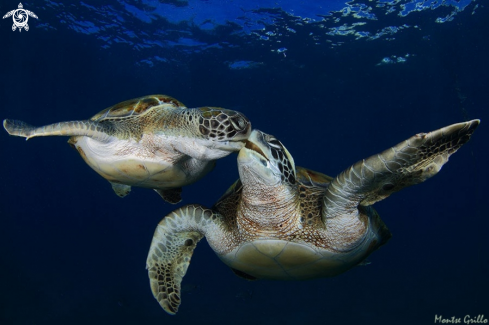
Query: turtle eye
column 239, row 123
column 274, row 143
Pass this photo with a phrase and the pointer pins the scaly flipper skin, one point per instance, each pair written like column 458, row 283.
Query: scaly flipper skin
column 172, row 247
column 410, row 162
column 91, row 129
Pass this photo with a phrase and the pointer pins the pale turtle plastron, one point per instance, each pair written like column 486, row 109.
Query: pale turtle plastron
column 285, row 223
column 152, row 142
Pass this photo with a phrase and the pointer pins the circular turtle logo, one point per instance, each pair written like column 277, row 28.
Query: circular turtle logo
column 20, row 17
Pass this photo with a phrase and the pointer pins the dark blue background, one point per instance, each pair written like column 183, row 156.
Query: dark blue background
column 72, row 252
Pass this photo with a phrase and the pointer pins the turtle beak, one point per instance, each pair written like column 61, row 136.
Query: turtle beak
column 255, row 145
column 251, row 146
column 255, row 149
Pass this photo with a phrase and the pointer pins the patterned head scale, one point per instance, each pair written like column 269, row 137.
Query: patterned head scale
column 275, row 159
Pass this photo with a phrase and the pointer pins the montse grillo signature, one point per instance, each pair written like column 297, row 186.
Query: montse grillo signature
column 467, row 319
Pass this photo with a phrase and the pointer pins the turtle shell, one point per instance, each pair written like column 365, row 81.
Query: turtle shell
column 136, row 106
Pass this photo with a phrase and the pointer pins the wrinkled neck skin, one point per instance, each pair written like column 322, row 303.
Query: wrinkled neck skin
column 203, row 149
column 266, row 207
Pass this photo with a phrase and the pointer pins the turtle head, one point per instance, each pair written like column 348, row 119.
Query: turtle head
column 227, row 128
column 265, row 160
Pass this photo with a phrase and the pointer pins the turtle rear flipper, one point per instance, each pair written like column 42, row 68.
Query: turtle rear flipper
column 410, row 162
column 172, row 195
column 173, row 244
column 120, row 189
column 90, row 129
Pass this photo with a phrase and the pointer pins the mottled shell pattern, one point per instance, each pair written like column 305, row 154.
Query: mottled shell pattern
column 136, row 106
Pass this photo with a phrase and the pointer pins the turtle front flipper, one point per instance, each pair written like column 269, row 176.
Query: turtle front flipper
column 173, row 244
column 90, row 129
column 410, row 162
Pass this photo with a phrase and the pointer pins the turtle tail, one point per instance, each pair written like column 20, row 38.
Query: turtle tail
column 90, row 129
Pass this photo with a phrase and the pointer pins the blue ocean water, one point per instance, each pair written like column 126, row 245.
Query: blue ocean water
column 335, row 82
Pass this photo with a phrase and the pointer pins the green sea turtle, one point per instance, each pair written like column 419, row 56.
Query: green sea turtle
column 152, row 141
column 286, row 223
